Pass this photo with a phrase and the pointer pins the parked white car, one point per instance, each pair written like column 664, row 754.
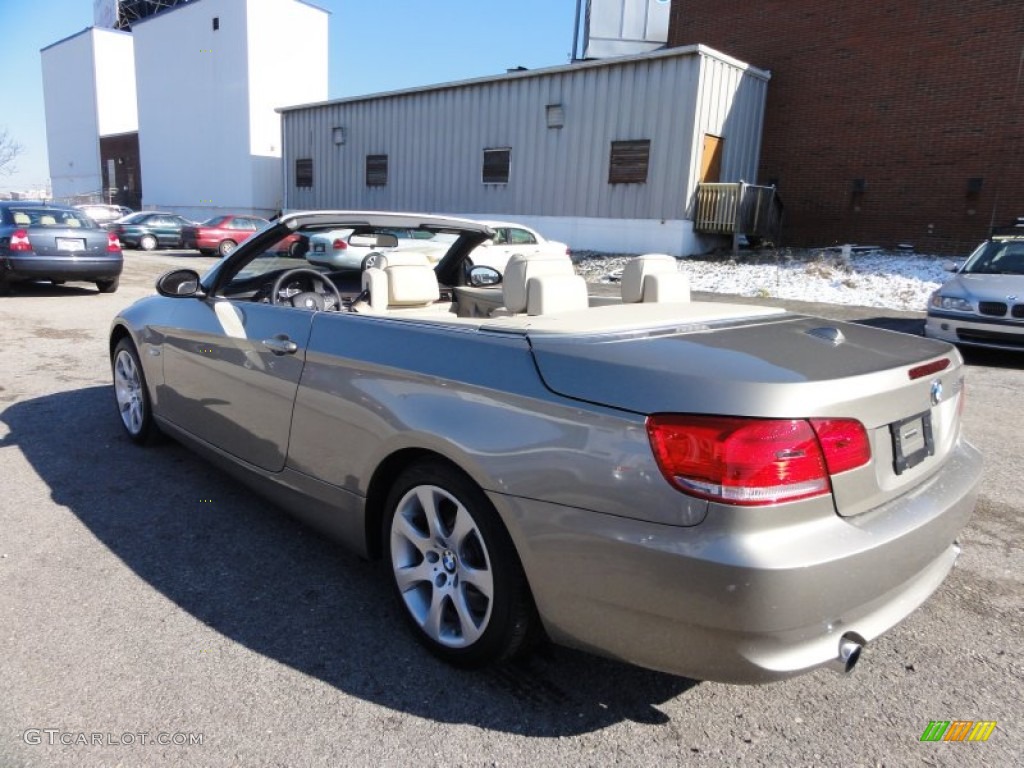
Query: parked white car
column 510, row 238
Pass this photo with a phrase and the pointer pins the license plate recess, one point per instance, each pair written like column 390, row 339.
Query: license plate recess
column 912, row 441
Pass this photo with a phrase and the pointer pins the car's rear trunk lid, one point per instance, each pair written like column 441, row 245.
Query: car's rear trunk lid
column 68, row 241
column 905, row 389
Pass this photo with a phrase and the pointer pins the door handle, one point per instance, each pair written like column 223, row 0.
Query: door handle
column 281, row 345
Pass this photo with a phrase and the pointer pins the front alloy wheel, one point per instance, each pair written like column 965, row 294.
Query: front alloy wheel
column 133, row 403
column 455, row 569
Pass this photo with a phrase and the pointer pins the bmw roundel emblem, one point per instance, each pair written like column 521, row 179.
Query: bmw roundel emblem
column 936, row 392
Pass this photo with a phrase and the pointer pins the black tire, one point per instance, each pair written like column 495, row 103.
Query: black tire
column 108, row 286
column 225, row 247
column 473, row 628
column 370, row 260
column 131, row 393
column 147, row 243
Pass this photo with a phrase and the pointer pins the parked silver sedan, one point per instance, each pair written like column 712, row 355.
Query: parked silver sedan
column 983, row 305
column 726, row 492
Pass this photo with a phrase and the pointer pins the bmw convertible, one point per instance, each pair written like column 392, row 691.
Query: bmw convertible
column 721, row 491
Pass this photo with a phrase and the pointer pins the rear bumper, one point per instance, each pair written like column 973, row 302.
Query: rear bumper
column 733, row 602
column 87, row 268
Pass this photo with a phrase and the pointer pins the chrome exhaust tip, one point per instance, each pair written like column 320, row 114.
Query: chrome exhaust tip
column 850, row 647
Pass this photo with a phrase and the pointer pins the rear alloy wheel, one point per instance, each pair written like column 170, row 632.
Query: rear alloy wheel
column 226, row 247
column 108, row 286
column 147, row 242
column 133, row 402
column 455, row 569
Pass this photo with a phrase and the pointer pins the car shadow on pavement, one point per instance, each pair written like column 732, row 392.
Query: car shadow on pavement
column 45, row 288
column 262, row 580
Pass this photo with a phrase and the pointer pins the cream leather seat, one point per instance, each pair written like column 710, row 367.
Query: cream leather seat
column 401, row 281
column 654, row 277
column 541, row 284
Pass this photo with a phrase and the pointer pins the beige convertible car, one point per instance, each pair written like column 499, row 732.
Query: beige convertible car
column 726, row 492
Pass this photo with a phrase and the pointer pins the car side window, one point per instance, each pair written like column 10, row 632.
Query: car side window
column 500, row 236
column 520, row 237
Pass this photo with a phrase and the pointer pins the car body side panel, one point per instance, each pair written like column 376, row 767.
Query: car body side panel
column 372, row 387
column 217, row 346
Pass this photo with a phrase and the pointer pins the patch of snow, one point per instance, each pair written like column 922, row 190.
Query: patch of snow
column 874, row 278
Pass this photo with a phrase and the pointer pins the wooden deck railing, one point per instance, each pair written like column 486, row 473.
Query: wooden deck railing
column 739, row 209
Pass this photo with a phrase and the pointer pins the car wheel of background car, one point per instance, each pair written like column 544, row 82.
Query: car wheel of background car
column 455, row 569
column 107, row 286
column 226, row 247
column 147, row 242
column 130, row 391
column 370, row 260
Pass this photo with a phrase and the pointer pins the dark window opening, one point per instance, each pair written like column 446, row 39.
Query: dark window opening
column 497, row 165
column 216, row 23
column 376, row 170
column 304, row 172
column 629, row 160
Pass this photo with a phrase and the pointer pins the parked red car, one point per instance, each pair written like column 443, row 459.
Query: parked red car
column 221, row 233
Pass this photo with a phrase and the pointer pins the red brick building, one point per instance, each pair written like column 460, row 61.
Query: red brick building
column 898, row 121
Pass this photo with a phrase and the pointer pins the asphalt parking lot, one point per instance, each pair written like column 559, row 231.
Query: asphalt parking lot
column 155, row 612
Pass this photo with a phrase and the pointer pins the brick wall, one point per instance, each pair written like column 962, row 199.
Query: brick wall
column 914, row 97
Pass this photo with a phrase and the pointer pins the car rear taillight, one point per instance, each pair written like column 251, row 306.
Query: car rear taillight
column 19, row 241
column 339, row 244
column 113, row 244
column 753, row 462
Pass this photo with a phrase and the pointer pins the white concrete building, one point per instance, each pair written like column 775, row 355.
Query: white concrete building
column 211, row 74
column 88, row 94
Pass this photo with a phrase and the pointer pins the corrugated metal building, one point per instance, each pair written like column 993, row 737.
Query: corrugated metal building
column 605, row 155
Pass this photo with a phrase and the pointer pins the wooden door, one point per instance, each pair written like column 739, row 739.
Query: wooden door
column 711, row 159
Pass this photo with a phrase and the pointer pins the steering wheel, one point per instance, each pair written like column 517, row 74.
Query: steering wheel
column 322, row 294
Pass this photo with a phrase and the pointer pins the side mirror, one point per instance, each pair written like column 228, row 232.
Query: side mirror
column 952, row 266
column 483, row 276
column 181, row 283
